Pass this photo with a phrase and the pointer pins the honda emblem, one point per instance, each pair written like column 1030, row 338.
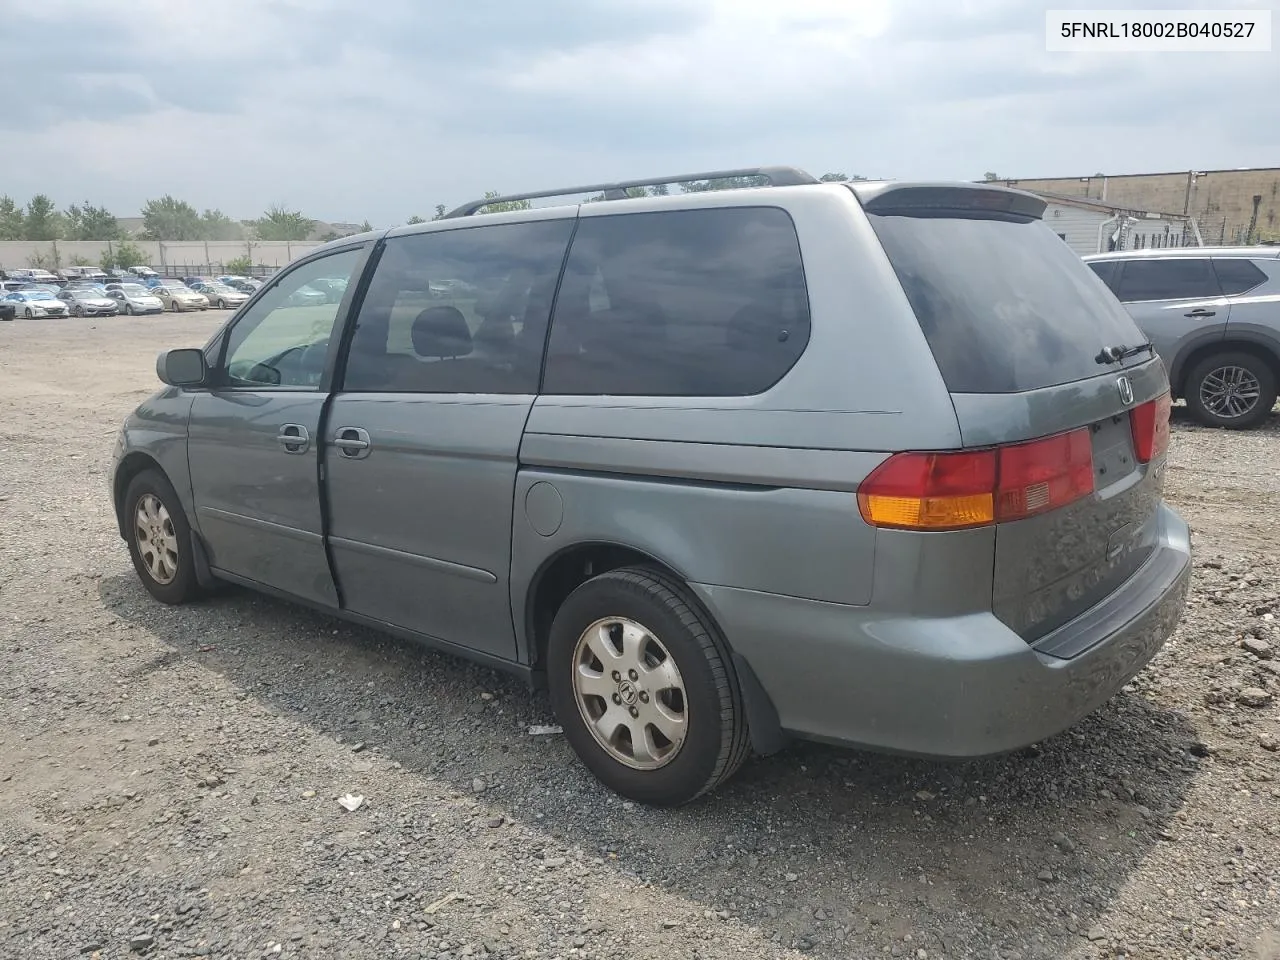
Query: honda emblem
column 1126, row 390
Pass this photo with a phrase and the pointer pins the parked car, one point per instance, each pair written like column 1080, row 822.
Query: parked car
column 308, row 296
column 833, row 461
column 1213, row 315
column 7, row 310
column 179, row 297
column 144, row 273
column 71, row 274
column 36, row 303
column 87, row 301
column 53, row 288
column 32, row 275
column 219, row 294
column 243, row 284
column 134, row 298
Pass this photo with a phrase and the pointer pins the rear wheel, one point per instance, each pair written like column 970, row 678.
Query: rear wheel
column 644, row 688
column 159, row 538
column 128, row 309
column 28, row 314
column 222, row 304
column 1232, row 390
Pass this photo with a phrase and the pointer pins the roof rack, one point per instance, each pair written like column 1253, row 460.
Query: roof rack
column 777, row 177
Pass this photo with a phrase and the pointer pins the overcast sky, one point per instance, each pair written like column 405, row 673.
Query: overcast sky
column 384, row 108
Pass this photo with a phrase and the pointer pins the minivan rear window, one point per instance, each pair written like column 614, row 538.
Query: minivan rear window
column 1005, row 305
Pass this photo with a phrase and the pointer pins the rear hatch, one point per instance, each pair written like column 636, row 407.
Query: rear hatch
column 1032, row 345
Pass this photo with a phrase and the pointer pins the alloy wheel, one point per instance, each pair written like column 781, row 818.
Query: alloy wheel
column 156, row 538
column 1230, row 392
column 630, row 693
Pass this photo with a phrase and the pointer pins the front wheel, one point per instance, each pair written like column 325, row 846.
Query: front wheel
column 128, row 309
column 644, row 688
column 222, row 304
column 1232, row 390
column 77, row 311
column 28, row 314
column 159, row 538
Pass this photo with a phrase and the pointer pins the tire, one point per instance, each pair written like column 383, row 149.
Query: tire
column 1241, row 376
column 175, row 578
column 128, row 309
column 77, row 311
column 28, row 314
column 222, row 304
column 713, row 740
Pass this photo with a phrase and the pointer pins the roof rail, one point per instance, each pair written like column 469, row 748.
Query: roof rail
column 777, row 177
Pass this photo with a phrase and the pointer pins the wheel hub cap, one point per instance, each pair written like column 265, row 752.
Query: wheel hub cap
column 630, row 693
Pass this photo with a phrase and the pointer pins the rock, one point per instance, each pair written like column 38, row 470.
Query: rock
column 791, row 877
column 1045, row 875
column 91, row 947
column 1095, row 934
column 924, row 795
column 357, row 748
column 1063, row 842
column 1199, row 749
column 495, row 822
column 669, row 923
column 478, row 785
column 579, row 942
column 1254, row 697
column 1268, row 742
column 142, row 941
column 486, row 696
column 1259, row 648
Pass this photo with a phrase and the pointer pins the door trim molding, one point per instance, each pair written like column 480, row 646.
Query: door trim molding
column 254, row 523
column 416, row 559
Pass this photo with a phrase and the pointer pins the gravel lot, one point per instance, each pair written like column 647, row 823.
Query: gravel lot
column 169, row 777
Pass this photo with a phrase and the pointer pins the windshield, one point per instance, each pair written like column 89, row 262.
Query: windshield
column 39, row 295
column 135, row 289
column 1004, row 303
column 220, row 288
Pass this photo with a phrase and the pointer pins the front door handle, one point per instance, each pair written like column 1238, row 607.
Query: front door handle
column 294, row 438
column 1201, row 312
column 352, row 442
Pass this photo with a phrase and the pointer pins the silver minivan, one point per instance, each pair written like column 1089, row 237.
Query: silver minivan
column 878, row 464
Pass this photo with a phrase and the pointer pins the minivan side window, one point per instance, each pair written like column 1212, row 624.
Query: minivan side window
column 282, row 339
column 1237, row 275
column 459, row 311
column 699, row 303
column 1108, row 272
column 1175, row 278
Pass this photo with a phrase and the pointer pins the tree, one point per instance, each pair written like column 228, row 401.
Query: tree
column 440, row 212
column 722, row 183
column 78, row 261
column 415, row 219
column 216, row 225
column 366, row 227
column 91, row 223
column 45, row 261
column 328, row 235
column 10, row 219
column 281, row 223
column 129, row 255
column 239, row 265
column 42, row 221
column 503, row 206
column 170, row 219
column 991, row 176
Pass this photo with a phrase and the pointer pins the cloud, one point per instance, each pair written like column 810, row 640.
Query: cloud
column 384, row 108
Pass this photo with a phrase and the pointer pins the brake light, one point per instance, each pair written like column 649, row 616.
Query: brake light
column 1150, row 424
column 955, row 491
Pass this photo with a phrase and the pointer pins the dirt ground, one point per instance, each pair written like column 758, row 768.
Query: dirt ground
column 169, row 776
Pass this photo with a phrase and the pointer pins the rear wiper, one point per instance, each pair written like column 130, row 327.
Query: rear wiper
column 1121, row 352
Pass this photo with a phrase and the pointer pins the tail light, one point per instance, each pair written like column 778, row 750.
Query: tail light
column 1150, row 424
column 955, row 491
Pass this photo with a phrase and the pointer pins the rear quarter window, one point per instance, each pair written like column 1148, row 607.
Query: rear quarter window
column 1175, row 278
column 682, row 303
column 1004, row 304
column 1236, row 275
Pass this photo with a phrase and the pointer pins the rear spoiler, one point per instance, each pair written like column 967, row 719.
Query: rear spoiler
column 921, row 198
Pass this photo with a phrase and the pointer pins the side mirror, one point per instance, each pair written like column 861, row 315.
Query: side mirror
column 182, row 368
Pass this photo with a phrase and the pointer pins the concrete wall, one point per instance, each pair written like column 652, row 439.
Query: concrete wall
column 172, row 256
column 1220, row 200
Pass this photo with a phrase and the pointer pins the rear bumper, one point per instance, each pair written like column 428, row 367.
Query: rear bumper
column 963, row 686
